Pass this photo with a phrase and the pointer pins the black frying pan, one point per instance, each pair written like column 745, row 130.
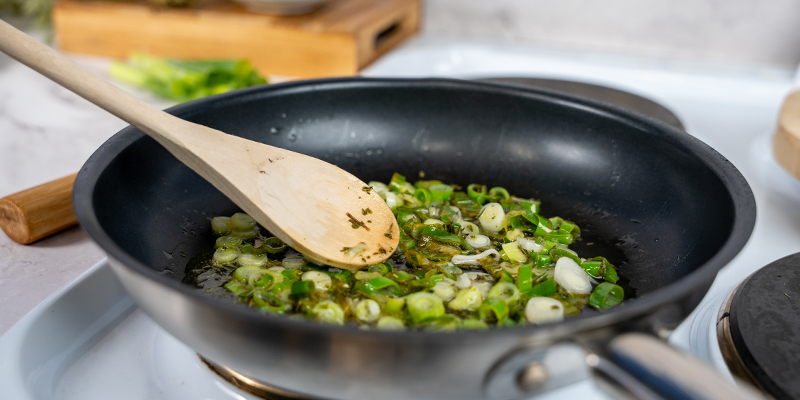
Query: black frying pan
column 666, row 208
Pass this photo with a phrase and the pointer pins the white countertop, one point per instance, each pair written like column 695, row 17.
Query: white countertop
column 47, row 132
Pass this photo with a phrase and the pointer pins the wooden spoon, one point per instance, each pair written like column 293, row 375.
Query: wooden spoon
column 315, row 207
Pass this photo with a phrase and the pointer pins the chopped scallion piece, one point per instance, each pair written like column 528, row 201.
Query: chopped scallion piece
column 606, row 295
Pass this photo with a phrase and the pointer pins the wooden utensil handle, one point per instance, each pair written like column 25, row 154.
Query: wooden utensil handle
column 38, row 212
column 786, row 143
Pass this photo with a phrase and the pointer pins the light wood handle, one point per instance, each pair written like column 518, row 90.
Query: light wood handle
column 38, row 212
column 786, row 144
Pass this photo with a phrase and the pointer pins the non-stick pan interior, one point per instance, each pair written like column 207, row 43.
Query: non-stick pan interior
column 645, row 196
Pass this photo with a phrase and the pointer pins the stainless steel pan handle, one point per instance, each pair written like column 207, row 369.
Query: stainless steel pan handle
column 671, row 373
column 634, row 366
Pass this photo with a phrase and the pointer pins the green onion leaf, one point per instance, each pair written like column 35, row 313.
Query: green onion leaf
column 380, row 287
column 524, row 278
column 545, row 288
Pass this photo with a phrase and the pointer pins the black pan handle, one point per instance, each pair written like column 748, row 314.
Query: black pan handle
column 671, row 373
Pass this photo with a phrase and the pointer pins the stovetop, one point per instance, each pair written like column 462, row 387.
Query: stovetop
column 89, row 341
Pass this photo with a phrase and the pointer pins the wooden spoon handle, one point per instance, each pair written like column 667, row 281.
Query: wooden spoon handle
column 48, row 62
column 38, row 212
column 786, row 144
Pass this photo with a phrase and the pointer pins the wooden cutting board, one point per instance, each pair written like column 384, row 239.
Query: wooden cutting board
column 339, row 39
column 786, row 144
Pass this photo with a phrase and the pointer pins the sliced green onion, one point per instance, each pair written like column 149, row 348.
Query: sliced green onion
column 441, row 235
column 423, row 305
column 570, row 276
column 593, row 267
column 394, row 305
column 380, row 287
column 365, row 276
column 477, row 193
column 424, row 196
column 427, row 283
column 265, row 281
column 524, row 275
column 225, row 255
column 499, row 193
column 606, row 295
column 466, row 299
column 379, row 187
column 406, row 243
column 390, row 324
column 354, row 251
column 444, row 290
column 368, row 310
column 599, row 267
column 543, row 310
column 469, row 228
column 344, row 276
column 243, row 274
column 545, row 288
column 293, row 262
column 274, row 245
column 221, row 225
column 302, row 288
column 397, row 181
column 514, row 253
column 244, row 234
column 379, row 268
column 557, row 253
column 513, row 234
column 543, row 260
column 473, row 324
column 322, row 281
column 493, row 310
column 529, row 206
column 440, row 192
column 401, row 276
column 242, row 222
column 283, row 290
column 505, row 291
column 228, row 241
column 235, row 287
column 442, row 323
column 491, row 219
column 292, row 274
column 266, row 301
column 610, row 274
column 560, row 236
column 252, row 260
column 328, row 312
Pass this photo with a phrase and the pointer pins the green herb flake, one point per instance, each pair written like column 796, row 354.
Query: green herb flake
column 356, row 223
column 365, row 211
column 366, row 189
